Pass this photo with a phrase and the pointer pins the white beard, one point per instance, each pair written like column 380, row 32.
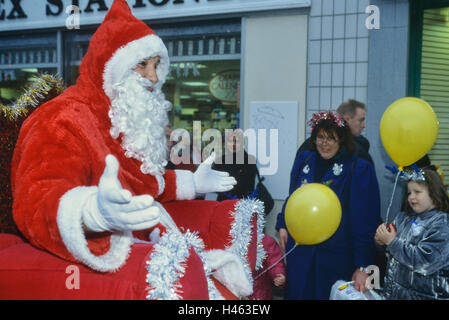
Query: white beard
column 141, row 116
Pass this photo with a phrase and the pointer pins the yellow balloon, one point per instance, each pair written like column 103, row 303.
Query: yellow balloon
column 312, row 214
column 408, row 130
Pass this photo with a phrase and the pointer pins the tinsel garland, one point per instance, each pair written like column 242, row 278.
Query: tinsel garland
column 261, row 254
column 167, row 266
column 416, row 175
column 35, row 94
column 241, row 233
column 167, row 262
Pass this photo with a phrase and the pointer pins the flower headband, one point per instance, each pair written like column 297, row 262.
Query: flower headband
column 317, row 117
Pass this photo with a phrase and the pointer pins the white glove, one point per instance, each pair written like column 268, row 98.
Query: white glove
column 208, row 180
column 115, row 209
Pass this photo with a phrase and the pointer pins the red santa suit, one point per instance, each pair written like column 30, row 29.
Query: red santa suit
column 60, row 157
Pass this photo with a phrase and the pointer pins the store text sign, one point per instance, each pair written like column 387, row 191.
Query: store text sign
column 223, row 85
column 27, row 14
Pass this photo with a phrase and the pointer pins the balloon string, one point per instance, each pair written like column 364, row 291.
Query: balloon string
column 270, row 267
column 392, row 196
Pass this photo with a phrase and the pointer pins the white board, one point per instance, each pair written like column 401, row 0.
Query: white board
column 282, row 117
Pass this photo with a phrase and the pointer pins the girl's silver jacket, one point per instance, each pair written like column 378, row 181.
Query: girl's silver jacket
column 418, row 257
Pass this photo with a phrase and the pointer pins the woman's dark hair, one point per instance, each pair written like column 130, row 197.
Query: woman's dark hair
column 330, row 127
column 437, row 191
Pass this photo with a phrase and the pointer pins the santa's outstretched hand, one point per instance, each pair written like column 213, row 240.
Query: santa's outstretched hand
column 208, row 180
column 113, row 208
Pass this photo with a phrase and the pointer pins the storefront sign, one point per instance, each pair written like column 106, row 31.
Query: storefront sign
column 27, row 14
column 224, row 85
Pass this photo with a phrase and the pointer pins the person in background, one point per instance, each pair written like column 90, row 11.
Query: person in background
column 272, row 273
column 239, row 164
column 418, row 252
column 170, row 143
column 194, row 154
column 168, row 131
column 354, row 114
column 313, row 269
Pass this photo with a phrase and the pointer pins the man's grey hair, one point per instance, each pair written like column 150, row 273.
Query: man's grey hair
column 349, row 107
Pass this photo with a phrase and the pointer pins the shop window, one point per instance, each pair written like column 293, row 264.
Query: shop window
column 203, row 83
column 205, row 91
column 21, row 58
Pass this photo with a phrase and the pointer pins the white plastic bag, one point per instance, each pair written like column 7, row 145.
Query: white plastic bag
column 344, row 290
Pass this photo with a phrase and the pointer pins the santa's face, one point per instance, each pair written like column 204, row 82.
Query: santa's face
column 139, row 112
column 147, row 69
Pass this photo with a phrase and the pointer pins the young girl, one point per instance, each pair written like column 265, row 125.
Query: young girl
column 418, row 253
column 262, row 289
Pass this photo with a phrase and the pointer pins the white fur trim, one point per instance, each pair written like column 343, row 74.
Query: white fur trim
column 185, row 186
column 230, row 271
column 69, row 219
column 160, row 183
column 155, row 235
column 127, row 57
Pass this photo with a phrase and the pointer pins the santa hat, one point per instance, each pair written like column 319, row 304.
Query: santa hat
column 119, row 44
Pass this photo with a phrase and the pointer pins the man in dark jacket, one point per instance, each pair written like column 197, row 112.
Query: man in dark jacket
column 354, row 113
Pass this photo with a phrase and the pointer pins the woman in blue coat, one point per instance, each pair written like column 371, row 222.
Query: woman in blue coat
column 313, row 269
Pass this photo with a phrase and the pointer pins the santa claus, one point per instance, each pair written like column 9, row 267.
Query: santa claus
column 88, row 174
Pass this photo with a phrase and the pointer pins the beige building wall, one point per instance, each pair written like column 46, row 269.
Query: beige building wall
column 274, row 65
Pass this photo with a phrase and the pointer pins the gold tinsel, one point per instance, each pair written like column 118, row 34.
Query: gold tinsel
column 35, row 94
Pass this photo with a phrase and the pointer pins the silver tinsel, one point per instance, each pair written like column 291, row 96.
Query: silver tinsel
column 261, row 254
column 167, row 262
column 413, row 175
column 167, row 265
column 241, row 232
